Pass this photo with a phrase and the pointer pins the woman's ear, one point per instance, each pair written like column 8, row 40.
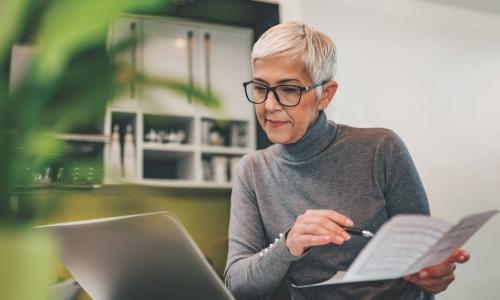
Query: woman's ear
column 329, row 90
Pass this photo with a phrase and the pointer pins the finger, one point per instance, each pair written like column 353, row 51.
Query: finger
column 317, row 230
column 307, row 241
column 437, row 271
column 434, row 283
column 459, row 256
column 327, row 224
column 303, row 228
column 336, row 217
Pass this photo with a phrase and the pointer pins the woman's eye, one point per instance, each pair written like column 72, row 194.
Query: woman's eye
column 289, row 90
column 259, row 89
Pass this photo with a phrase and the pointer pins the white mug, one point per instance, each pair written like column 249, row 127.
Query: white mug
column 219, row 166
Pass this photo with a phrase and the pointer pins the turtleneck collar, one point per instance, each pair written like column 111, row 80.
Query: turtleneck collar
column 314, row 141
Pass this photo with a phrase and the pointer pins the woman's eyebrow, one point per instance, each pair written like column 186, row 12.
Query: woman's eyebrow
column 288, row 80
column 260, row 80
column 282, row 81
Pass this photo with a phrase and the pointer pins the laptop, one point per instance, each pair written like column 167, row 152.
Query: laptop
column 146, row 256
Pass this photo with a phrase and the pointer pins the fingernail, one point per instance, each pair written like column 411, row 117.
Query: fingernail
column 347, row 236
column 348, row 222
column 461, row 258
column 339, row 239
column 423, row 274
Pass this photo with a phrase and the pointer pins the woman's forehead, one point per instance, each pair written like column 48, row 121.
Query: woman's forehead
column 279, row 69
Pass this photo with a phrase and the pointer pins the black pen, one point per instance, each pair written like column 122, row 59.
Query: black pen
column 359, row 232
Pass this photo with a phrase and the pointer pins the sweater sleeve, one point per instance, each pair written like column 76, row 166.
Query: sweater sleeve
column 403, row 189
column 254, row 268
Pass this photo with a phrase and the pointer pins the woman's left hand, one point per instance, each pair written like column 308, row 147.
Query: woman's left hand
column 435, row 279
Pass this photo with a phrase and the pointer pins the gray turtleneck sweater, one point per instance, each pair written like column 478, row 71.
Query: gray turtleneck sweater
column 365, row 174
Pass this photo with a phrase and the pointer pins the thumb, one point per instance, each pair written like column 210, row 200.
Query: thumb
column 459, row 256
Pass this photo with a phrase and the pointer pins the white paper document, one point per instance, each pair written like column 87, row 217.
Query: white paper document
column 407, row 243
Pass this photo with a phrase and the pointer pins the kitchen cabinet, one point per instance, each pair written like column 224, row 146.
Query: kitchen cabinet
column 177, row 142
column 168, row 53
column 123, row 31
column 226, row 65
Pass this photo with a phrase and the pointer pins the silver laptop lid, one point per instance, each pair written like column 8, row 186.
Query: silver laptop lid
column 147, row 256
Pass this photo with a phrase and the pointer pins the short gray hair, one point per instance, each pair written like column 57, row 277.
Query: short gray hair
column 302, row 41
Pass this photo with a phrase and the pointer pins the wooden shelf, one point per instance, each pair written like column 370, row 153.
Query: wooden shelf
column 168, row 147
column 224, row 150
column 93, row 138
column 181, row 183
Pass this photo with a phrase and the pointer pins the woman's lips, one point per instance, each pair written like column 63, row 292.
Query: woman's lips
column 275, row 124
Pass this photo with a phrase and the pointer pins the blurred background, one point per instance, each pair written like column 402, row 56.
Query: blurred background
column 119, row 108
column 135, row 107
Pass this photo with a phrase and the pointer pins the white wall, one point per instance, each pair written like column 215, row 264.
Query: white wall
column 431, row 73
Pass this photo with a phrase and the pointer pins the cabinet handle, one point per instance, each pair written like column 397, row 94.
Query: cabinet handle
column 207, row 63
column 190, row 63
column 133, row 39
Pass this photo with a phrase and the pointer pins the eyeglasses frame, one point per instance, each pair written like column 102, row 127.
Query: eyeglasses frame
column 273, row 89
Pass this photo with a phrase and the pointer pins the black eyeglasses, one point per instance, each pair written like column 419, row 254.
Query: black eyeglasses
column 286, row 95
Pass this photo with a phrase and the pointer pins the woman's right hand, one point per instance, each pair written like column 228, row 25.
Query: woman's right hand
column 317, row 227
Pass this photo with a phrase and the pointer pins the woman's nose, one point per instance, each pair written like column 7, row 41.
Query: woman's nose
column 272, row 102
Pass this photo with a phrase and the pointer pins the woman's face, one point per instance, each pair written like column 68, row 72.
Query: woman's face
column 285, row 125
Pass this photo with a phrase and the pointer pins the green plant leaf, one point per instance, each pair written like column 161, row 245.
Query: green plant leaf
column 12, row 13
column 69, row 82
column 70, row 25
column 197, row 95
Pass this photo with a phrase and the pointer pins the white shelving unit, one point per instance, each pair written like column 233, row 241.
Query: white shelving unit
column 168, row 147
column 212, row 142
column 76, row 137
column 224, row 150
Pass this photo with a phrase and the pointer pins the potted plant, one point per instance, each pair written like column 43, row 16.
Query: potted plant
column 67, row 82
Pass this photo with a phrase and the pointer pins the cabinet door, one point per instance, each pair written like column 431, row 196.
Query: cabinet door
column 122, row 30
column 168, row 52
column 225, row 66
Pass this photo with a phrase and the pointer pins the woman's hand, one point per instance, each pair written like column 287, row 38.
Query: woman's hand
column 315, row 228
column 435, row 279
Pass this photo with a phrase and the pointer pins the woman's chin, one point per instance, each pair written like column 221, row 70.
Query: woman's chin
column 279, row 138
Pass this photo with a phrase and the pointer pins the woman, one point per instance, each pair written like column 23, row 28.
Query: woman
column 291, row 202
